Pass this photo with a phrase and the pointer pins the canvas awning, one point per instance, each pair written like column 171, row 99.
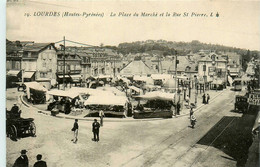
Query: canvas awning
column 75, row 77
column 161, row 76
column 28, row 74
column 218, row 82
column 35, row 86
column 103, row 76
column 13, row 73
column 106, row 100
column 170, row 83
column 92, row 92
column 135, row 89
column 113, row 90
column 140, row 78
column 157, row 95
column 64, row 93
column 61, row 76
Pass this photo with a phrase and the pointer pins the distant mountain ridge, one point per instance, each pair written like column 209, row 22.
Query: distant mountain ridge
column 170, row 47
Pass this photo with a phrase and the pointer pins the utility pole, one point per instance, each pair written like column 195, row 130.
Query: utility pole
column 114, row 67
column 158, row 64
column 64, row 63
column 176, row 63
column 204, row 77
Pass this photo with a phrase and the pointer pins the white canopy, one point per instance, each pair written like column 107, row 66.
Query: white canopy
column 157, row 95
column 135, row 89
column 35, row 86
column 64, row 93
column 106, row 100
column 103, row 76
column 140, row 78
column 170, row 83
column 91, row 91
column 28, row 74
column 124, row 79
column 185, row 78
column 161, row 76
column 13, row 72
column 218, row 82
column 113, row 90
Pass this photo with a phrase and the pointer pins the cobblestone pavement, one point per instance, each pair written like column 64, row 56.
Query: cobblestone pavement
column 167, row 142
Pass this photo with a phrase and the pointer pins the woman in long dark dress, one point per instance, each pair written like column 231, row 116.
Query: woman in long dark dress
column 204, row 99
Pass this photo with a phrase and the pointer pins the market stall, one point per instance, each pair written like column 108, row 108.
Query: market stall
column 157, row 105
column 36, row 93
column 111, row 105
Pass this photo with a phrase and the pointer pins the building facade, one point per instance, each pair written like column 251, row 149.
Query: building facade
column 212, row 67
column 40, row 59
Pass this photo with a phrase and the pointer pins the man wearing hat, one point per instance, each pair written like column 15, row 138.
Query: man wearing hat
column 22, row 161
column 15, row 111
column 39, row 162
column 95, row 130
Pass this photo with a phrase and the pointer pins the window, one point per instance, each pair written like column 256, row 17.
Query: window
column 50, row 47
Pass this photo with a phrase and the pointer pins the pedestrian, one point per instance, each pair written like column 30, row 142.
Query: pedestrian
column 208, row 97
column 95, row 130
column 15, row 111
column 191, row 111
column 40, row 162
column 193, row 120
column 75, row 129
column 101, row 115
column 178, row 108
column 22, row 160
column 204, row 99
column 188, row 100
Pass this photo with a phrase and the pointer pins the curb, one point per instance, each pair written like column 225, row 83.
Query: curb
column 109, row 119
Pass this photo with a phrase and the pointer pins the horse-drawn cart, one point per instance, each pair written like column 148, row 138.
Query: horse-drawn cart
column 17, row 127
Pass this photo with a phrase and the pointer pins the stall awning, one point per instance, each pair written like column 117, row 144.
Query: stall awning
column 75, row 77
column 13, row 73
column 61, row 76
column 28, row 74
column 106, row 100
column 157, row 95
column 218, row 82
column 135, row 89
column 63, row 93
column 36, row 86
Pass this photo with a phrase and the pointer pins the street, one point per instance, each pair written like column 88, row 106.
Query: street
column 167, row 142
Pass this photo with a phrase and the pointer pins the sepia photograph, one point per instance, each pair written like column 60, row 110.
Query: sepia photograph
column 131, row 83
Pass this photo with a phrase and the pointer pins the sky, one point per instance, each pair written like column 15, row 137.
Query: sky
column 238, row 24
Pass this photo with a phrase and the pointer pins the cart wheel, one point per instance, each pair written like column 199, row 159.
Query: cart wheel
column 12, row 132
column 32, row 128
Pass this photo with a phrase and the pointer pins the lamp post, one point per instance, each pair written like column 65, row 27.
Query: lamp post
column 64, row 63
